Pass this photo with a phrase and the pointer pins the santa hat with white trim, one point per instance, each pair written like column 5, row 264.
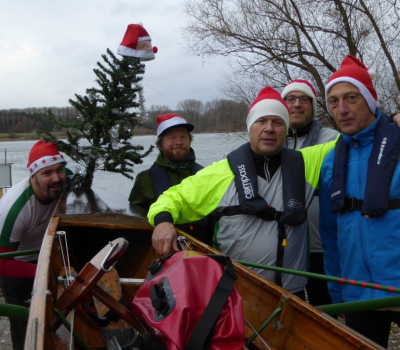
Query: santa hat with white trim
column 171, row 120
column 42, row 155
column 355, row 72
column 137, row 43
column 268, row 103
column 306, row 88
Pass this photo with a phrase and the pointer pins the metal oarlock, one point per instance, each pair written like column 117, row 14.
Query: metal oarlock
column 113, row 246
column 183, row 243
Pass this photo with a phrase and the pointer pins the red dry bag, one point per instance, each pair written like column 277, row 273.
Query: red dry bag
column 188, row 301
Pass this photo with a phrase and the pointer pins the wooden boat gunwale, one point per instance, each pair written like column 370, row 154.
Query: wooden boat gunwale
column 260, row 301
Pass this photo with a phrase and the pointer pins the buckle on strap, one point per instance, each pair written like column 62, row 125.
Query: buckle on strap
column 270, row 214
column 353, row 203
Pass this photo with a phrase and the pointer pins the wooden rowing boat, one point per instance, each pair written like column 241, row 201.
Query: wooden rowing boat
column 83, row 225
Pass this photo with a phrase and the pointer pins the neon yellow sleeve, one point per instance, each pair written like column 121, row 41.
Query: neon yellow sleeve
column 313, row 158
column 196, row 196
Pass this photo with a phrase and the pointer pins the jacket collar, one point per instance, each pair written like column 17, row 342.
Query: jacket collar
column 300, row 132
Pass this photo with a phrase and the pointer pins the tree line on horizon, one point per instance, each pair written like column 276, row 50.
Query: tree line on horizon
column 219, row 115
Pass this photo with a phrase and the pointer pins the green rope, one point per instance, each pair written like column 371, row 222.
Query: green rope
column 67, row 325
column 267, row 322
column 19, row 253
column 14, row 311
column 356, row 306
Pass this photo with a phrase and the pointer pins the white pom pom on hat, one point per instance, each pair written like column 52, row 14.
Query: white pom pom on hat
column 372, row 74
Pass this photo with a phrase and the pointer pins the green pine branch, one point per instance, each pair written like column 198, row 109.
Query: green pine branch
column 99, row 138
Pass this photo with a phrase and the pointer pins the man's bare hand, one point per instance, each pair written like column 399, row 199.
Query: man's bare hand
column 164, row 238
column 396, row 119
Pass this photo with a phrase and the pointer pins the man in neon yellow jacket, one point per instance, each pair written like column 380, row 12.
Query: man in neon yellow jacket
column 260, row 194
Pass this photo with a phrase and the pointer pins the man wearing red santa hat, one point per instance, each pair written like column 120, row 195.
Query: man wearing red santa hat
column 360, row 198
column 25, row 212
column 260, row 194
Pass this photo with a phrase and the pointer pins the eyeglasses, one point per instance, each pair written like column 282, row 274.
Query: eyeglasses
column 290, row 100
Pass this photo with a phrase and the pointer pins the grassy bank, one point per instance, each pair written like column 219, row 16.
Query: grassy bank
column 27, row 136
column 60, row 135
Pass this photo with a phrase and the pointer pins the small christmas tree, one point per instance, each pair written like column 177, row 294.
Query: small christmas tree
column 106, row 120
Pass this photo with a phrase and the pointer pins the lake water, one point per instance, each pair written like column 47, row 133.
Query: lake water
column 209, row 148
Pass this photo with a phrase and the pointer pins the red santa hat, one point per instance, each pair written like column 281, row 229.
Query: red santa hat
column 137, row 43
column 171, row 120
column 355, row 72
column 42, row 155
column 306, row 88
column 268, row 103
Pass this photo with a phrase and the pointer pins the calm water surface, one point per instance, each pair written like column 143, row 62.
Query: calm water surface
column 209, row 148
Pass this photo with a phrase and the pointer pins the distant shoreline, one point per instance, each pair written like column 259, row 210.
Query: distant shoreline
column 62, row 136
column 33, row 136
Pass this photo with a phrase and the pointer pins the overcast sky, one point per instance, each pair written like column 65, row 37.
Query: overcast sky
column 48, row 49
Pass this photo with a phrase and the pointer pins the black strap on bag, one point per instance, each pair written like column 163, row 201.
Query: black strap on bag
column 201, row 336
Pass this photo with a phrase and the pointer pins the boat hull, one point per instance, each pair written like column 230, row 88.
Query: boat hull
column 297, row 326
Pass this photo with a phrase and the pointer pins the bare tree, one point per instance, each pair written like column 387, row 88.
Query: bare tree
column 275, row 41
column 225, row 116
column 149, row 120
column 191, row 110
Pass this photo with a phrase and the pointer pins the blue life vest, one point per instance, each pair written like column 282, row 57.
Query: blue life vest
column 160, row 178
column 381, row 167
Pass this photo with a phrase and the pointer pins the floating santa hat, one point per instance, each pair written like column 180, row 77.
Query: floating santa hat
column 42, row 155
column 137, row 43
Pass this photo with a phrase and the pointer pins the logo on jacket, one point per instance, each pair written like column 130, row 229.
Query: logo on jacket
column 335, row 194
column 383, row 144
column 248, row 189
column 294, row 203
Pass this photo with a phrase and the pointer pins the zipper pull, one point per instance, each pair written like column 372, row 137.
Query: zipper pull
column 295, row 138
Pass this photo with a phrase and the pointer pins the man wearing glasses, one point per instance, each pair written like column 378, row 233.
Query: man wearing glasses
column 304, row 131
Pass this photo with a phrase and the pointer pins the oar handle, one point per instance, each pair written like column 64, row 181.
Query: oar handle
column 340, row 280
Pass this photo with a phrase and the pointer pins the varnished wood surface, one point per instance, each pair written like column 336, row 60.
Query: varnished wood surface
column 303, row 327
column 106, row 220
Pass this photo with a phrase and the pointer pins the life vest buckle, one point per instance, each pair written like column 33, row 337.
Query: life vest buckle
column 352, row 203
column 270, row 214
